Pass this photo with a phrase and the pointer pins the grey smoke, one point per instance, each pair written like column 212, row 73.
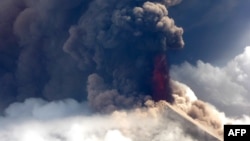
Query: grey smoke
column 103, row 99
column 200, row 111
column 32, row 61
column 48, row 49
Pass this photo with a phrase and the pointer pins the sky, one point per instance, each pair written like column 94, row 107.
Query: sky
column 215, row 31
column 96, row 70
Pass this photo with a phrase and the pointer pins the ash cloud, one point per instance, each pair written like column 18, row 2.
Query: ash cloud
column 32, row 61
column 202, row 112
column 107, row 100
column 98, row 44
column 49, row 49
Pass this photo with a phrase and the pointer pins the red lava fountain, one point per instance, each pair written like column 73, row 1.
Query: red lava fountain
column 161, row 87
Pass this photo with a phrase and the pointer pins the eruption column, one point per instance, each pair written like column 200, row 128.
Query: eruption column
column 161, row 87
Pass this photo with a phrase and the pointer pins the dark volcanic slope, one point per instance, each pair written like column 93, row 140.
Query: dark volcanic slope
column 191, row 127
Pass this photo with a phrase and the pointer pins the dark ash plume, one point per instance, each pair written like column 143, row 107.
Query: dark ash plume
column 120, row 43
column 32, row 62
column 53, row 49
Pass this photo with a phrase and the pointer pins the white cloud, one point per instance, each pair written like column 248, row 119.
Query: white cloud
column 68, row 120
column 40, row 109
column 226, row 87
column 39, row 120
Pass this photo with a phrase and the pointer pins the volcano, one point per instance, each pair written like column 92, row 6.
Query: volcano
column 192, row 127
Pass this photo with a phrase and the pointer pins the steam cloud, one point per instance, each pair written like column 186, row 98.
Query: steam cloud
column 149, row 124
column 69, row 120
column 229, row 91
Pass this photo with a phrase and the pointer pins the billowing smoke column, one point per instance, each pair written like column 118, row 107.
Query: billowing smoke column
column 101, row 50
column 120, row 47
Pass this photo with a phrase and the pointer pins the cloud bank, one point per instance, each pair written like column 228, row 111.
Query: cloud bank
column 69, row 120
column 36, row 119
column 225, row 87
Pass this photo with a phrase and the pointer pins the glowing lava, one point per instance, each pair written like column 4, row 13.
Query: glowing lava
column 161, row 87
